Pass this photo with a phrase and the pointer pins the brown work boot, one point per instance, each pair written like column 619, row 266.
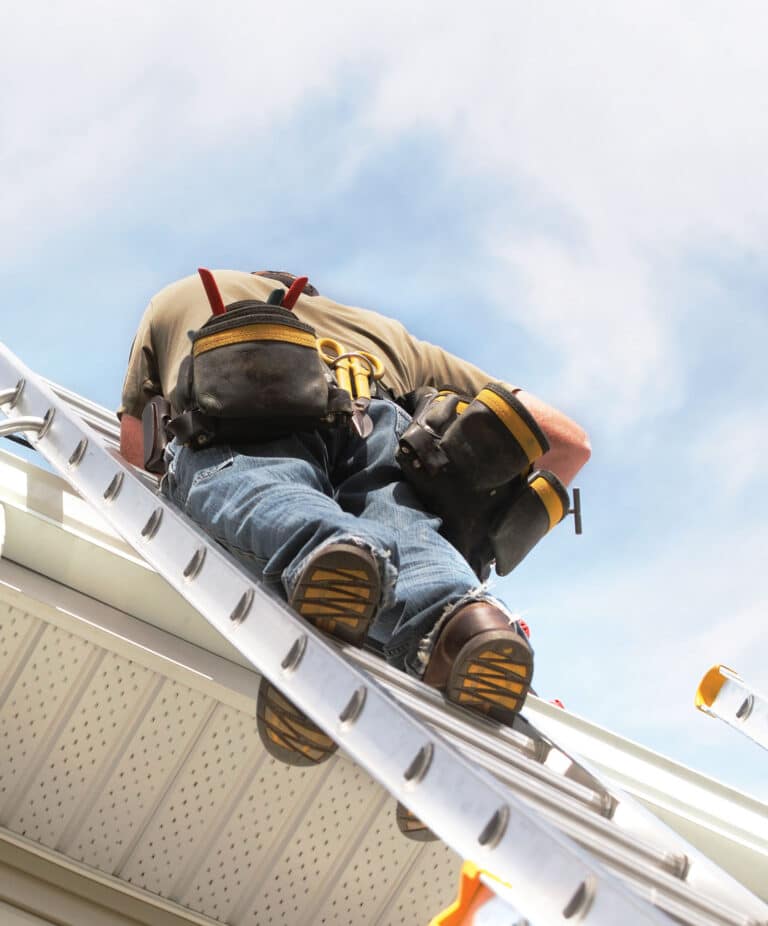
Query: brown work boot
column 410, row 825
column 338, row 592
column 482, row 662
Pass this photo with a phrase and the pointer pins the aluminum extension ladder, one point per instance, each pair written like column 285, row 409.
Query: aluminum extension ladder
column 724, row 694
column 519, row 808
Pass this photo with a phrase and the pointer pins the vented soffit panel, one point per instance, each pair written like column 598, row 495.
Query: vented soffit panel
column 131, row 763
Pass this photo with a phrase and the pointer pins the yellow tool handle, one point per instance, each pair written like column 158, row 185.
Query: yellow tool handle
column 332, row 353
column 360, row 372
column 343, row 379
column 365, row 367
column 359, row 366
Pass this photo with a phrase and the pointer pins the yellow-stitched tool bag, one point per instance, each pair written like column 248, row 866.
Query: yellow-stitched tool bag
column 471, row 460
column 255, row 361
column 254, row 373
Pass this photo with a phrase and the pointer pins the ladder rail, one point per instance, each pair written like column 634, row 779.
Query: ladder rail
column 471, row 811
column 581, row 822
column 97, row 417
column 663, row 870
column 416, row 765
column 724, row 694
column 611, row 813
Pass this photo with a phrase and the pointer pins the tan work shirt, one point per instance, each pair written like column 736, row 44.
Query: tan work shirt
column 162, row 342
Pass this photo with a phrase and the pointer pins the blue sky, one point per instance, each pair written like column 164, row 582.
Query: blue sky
column 576, row 201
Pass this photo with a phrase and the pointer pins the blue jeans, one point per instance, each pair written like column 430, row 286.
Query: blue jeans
column 273, row 503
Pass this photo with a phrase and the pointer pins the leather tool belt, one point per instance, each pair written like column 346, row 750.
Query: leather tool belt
column 471, row 462
column 254, row 373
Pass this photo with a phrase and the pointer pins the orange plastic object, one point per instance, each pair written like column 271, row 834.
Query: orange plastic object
column 472, row 895
column 710, row 685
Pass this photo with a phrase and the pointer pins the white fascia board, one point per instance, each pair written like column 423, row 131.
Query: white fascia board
column 52, row 531
column 27, row 487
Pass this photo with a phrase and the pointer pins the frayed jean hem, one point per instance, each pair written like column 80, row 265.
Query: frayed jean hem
column 417, row 664
column 383, row 557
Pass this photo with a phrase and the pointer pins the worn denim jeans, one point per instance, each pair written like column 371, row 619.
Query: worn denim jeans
column 272, row 503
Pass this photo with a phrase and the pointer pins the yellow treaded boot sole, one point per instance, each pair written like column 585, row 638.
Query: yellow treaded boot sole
column 287, row 733
column 411, row 827
column 338, row 592
column 491, row 675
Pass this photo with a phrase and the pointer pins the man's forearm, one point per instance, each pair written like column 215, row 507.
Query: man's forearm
column 569, row 447
column 132, row 440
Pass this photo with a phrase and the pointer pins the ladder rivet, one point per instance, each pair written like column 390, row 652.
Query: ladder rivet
column 113, row 489
column 353, row 709
column 78, row 453
column 608, row 805
column 242, row 607
column 679, row 864
column 495, row 828
column 195, row 564
column 47, row 422
column 295, row 654
column 17, row 393
column 153, row 523
column 581, row 901
column 420, row 765
column 746, row 708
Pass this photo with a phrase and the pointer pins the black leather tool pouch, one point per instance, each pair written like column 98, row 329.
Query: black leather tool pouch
column 254, row 373
column 541, row 502
column 469, row 460
column 258, row 361
column 493, row 439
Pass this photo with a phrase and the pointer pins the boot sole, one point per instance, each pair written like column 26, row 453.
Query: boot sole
column 492, row 675
column 339, row 595
column 411, row 827
column 287, row 733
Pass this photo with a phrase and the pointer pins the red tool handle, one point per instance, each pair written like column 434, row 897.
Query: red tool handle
column 289, row 299
column 212, row 291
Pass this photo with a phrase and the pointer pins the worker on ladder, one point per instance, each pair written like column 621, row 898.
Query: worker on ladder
column 369, row 478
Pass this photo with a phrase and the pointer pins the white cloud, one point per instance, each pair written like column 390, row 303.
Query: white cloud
column 600, row 313
column 642, row 122
column 642, row 125
column 733, row 449
column 639, row 126
column 101, row 93
column 659, row 622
